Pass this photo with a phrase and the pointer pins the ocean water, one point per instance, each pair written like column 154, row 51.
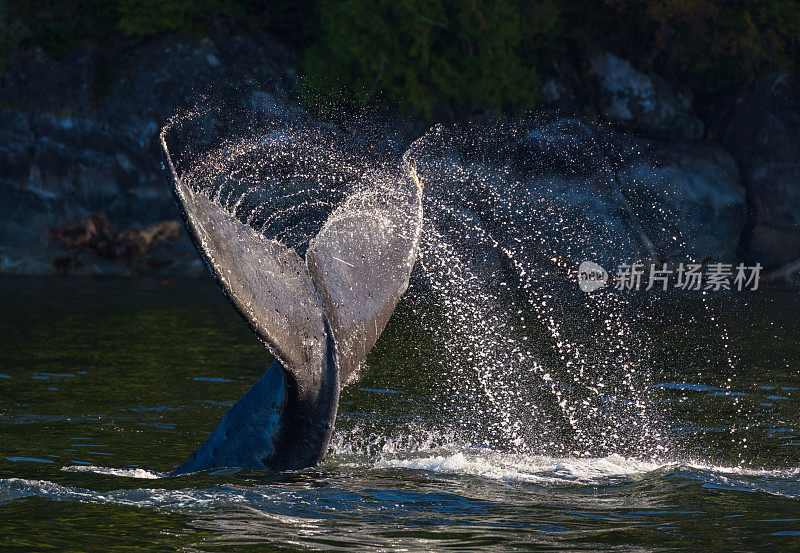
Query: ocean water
column 107, row 384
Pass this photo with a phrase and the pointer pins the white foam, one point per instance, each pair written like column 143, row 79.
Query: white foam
column 742, row 471
column 194, row 499
column 515, row 467
column 16, row 488
column 126, row 473
column 544, row 469
column 450, row 457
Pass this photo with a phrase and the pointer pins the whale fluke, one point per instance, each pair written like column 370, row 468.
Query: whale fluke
column 361, row 261
column 318, row 317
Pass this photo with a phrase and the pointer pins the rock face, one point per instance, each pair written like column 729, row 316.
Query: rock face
column 79, row 138
column 559, row 192
column 84, row 190
column 686, row 196
column 763, row 134
column 634, row 99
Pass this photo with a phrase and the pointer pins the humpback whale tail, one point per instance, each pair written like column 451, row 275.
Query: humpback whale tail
column 247, row 206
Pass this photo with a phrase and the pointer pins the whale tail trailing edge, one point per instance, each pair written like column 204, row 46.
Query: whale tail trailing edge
column 318, row 317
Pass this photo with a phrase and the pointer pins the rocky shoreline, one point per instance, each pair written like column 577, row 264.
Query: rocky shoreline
column 84, row 191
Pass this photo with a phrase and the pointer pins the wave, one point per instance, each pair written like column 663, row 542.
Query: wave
column 126, row 473
column 515, row 467
column 432, row 456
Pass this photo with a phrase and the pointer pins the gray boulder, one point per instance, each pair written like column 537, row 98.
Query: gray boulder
column 553, row 193
column 539, row 193
column 79, row 138
column 763, row 134
column 634, row 99
column 686, row 196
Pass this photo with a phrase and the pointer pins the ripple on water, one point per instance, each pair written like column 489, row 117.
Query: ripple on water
column 609, row 471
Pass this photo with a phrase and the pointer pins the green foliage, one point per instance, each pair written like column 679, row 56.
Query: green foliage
column 489, row 54
column 12, row 33
column 425, row 54
column 293, row 22
column 148, row 17
column 57, row 26
column 712, row 45
column 431, row 56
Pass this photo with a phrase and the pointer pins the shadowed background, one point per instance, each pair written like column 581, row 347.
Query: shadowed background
column 702, row 96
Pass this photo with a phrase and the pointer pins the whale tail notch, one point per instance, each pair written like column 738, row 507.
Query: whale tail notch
column 319, row 317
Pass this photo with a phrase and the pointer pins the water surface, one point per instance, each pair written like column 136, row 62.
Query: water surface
column 105, row 385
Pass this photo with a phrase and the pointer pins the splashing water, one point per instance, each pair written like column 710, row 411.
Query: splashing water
column 527, row 362
column 532, row 364
column 504, row 408
column 401, row 474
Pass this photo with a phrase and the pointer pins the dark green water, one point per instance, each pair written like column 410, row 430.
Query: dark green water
column 131, row 375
